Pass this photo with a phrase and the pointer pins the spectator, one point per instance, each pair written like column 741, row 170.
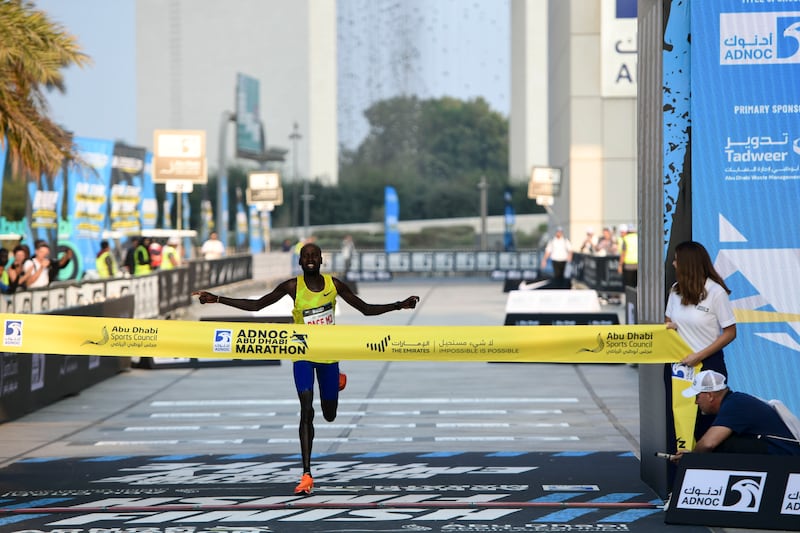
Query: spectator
column 16, row 271
column 622, row 230
column 171, row 257
column 559, row 251
column 129, row 264
column 588, row 245
column 5, row 282
column 37, row 268
column 154, row 249
column 606, row 244
column 141, row 258
column 105, row 263
column 629, row 257
column 213, row 248
column 348, row 251
column 56, row 265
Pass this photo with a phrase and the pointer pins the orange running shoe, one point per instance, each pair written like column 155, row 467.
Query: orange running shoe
column 342, row 381
column 306, row 485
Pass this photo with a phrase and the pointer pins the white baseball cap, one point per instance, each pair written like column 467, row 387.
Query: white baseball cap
column 706, row 381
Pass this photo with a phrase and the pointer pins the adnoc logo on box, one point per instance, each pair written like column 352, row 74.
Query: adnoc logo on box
column 791, row 496
column 722, row 490
column 759, row 38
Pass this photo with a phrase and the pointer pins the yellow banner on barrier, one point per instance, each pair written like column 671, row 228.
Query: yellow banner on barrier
column 130, row 337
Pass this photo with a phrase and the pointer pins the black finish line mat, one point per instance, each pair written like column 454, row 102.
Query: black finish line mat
column 369, row 492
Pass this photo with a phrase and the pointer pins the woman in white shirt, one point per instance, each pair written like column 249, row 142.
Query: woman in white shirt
column 699, row 308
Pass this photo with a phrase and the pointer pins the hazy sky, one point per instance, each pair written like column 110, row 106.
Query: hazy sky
column 101, row 98
column 430, row 48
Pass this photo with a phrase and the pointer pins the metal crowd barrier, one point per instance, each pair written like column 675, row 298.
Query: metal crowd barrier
column 596, row 272
column 162, row 292
column 379, row 265
column 157, row 294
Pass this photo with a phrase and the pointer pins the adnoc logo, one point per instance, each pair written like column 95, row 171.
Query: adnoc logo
column 759, row 38
column 722, row 490
column 223, row 340
column 12, row 333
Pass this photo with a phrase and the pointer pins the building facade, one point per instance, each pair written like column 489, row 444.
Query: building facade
column 188, row 55
column 574, row 106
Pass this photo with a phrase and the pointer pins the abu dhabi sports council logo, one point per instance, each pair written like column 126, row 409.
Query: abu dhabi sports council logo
column 12, row 333
column 722, row 490
column 100, row 341
column 223, row 340
column 597, row 348
column 759, row 38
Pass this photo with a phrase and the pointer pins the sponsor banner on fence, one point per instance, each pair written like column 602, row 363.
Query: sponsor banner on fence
column 24, row 333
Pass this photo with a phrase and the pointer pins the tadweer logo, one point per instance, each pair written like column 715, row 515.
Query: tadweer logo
column 103, row 339
column 597, row 349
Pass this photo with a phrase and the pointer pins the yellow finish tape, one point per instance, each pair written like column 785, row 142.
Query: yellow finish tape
column 129, row 337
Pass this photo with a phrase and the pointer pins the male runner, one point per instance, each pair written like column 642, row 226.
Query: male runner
column 314, row 296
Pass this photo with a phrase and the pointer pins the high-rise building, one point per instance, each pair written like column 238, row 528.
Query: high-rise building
column 574, row 105
column 188, row 55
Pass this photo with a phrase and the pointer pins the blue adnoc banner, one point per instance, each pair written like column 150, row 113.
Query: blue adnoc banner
column 391, row 219
column 149, row 203
column 3, row 152
column 87, row 201
column 746, row 167
column 258, row 228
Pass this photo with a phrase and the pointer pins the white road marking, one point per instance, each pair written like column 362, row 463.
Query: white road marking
column 360, row 401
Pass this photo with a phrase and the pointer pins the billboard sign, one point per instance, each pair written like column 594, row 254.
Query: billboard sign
column 250, row 141
column 179, row 155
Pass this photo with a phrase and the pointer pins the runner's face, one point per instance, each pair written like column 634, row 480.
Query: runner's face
column 310, row 259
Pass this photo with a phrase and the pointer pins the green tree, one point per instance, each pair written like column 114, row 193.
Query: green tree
column 434, row 152
column 33, row 52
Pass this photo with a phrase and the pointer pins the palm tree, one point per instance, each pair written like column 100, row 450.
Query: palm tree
column 33, row 52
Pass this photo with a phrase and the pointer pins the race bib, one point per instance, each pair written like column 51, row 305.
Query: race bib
column 319, row 315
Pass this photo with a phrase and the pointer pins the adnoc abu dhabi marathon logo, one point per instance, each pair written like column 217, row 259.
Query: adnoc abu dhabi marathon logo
column 270, row 341
column 759, row 38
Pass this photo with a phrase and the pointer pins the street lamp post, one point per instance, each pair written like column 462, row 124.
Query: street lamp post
column 483, row 185
column 307, row 197
column 295, row 137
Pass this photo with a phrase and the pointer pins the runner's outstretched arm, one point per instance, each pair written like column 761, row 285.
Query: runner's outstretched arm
column 372, row 309
column 246, row 304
